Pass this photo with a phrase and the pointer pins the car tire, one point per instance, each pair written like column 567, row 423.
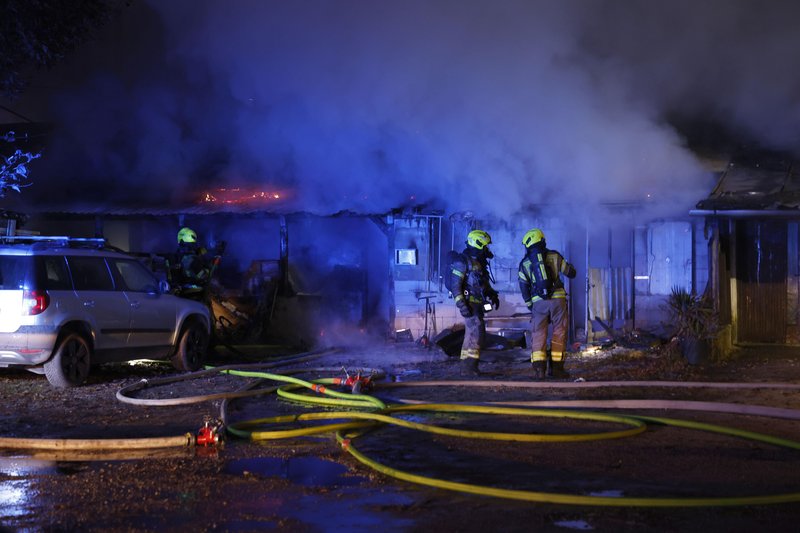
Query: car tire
column 190, row 354
column 69, row 366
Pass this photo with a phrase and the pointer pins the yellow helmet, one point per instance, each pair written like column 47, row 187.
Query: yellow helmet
column 532, row 237
column 479, row 239
column 187, row 235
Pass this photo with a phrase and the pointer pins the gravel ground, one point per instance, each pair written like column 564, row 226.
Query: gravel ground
column 310, row 484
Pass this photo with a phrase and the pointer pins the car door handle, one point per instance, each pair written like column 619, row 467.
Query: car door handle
column 88, row 303
column 136, row 305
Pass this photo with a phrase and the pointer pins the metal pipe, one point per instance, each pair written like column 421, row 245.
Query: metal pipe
column 746, row 213
column 632, row 279
column 439, row 254
column 586, row 288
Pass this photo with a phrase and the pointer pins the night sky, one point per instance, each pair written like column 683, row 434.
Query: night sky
column 485, row 106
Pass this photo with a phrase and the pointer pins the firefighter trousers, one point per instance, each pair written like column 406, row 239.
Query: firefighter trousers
column 543, row 313
column 474, row 334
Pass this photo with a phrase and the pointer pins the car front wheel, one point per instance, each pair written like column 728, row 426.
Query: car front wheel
column 69, row 366
column 192, row 347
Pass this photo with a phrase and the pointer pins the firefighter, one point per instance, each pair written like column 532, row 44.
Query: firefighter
column 193, row 269
column 471, row 280
column 543, row 290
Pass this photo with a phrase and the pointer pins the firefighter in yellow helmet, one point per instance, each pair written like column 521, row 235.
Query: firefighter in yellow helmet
column 543, row 290
column 193, row 269
column 470, row 282
column 187, row 236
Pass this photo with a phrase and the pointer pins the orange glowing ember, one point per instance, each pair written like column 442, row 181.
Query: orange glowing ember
column 243, row 196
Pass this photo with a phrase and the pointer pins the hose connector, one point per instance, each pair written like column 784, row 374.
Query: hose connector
column 210, row 434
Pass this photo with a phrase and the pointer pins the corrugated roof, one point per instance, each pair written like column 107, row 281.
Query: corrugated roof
column 768, row 184
column 200, row 209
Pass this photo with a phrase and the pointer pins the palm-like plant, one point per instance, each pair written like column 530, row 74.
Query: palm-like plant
column 692, row 315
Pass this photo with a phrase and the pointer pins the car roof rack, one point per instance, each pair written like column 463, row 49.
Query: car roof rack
column 63, row 240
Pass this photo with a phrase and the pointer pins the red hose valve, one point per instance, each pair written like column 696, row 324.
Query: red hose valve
column 356, row 383
column 210, row 434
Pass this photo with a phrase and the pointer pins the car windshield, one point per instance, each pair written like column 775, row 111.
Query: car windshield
column 14, row 271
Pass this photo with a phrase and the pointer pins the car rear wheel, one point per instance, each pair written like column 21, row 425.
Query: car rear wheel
column 192, row 347
column 69, row 366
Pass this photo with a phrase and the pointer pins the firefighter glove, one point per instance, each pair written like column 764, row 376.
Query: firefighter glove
column 464, row 308
column 495, row 299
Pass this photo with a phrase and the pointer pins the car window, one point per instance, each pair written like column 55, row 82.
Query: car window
column 90, row 273
column 134, row 275
column 56, row 276
column 15, row 271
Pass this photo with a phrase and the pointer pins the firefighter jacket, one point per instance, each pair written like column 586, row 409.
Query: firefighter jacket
column 193, row 264
column 470, row 278
column 539, row 267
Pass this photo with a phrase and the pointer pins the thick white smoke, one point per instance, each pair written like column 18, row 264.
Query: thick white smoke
column 488, row 106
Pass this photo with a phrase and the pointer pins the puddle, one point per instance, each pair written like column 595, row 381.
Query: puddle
column 349, row 506
column 306, row 471
column 353, row 510
column 26, row 466
column 403, row 374
column 574, row 524
column 16, row 492
column 346, row 502
column 14, row 498
column 250, row 525
column 608, row 493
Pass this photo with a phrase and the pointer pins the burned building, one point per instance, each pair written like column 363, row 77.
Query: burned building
column 751, row 220
column 349, row 278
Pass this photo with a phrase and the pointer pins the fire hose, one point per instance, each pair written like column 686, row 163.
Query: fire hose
column 124, row 394
column 97, row 444
column 207, row 435
column 347, row 431
column 350, row 424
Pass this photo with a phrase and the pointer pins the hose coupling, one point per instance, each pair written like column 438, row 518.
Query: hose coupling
column 211, row 433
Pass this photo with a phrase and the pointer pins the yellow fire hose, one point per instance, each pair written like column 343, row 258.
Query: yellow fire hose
column 239, row 430
column 551, row 497
column 347, row 431
column 349, row 424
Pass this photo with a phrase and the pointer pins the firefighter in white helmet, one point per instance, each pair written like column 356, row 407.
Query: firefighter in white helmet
column 543, row 290
column 470, row 279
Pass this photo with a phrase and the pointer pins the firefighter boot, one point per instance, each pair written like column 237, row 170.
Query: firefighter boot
column 558, row 370
column 539, row 368
column 469, row 366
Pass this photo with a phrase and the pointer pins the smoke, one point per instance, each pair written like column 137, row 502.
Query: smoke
column 367, row 106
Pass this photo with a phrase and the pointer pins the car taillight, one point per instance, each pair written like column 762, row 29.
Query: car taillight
column 34, row 302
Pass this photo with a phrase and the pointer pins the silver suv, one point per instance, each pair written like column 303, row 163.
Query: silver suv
column 67, row 304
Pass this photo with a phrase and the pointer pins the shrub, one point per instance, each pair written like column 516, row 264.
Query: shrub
column 692, row 316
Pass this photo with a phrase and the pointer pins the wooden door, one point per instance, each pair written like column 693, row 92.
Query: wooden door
column 761, row 268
